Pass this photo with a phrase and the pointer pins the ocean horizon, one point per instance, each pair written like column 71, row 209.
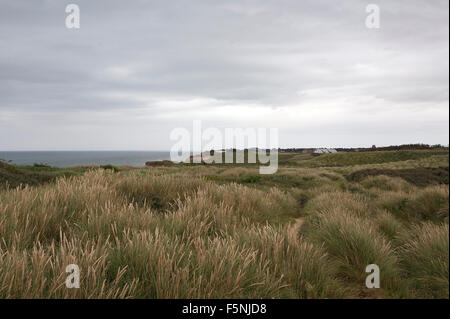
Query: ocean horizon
column 83, row 158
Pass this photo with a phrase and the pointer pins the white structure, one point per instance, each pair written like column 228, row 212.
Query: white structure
column 324, row 150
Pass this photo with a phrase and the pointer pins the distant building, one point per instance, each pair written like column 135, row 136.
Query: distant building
column 324, row 151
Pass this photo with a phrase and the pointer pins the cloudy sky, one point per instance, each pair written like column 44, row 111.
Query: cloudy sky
column 136, row 70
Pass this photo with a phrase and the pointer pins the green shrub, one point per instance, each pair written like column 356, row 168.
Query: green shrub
column 111, row 167
column 249, row 179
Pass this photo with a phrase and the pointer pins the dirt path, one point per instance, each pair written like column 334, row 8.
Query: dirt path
column 293, row 230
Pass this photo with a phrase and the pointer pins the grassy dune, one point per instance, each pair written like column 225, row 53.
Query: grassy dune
column 223, row 231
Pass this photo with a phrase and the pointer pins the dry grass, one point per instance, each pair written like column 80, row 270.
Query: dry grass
column 425, row 256
column 171, row 232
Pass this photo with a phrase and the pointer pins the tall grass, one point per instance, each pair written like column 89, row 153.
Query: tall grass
column 173, row 233
column 354, row 243
column 425, row 256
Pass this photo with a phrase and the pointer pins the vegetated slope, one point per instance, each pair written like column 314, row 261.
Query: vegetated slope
column 210, row 231
column 421, row 176
column 362, row 158
column 13, row 176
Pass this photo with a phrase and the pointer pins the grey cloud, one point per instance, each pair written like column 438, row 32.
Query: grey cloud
column 263, row 52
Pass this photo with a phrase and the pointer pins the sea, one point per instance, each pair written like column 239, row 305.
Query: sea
column 83, row 158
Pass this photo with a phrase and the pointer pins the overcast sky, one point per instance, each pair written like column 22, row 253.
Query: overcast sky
column 136, row 70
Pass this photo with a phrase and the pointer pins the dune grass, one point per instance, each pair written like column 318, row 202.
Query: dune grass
column 204, row 231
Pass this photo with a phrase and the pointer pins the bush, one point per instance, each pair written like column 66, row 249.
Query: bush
column 111, row 167
column 249, row 179
column 41, row 165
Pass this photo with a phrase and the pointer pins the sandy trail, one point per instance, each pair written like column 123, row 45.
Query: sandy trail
column 293, row 230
